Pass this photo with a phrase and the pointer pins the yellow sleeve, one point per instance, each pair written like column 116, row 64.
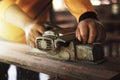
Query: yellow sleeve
column 4, row 4
column 79, row 7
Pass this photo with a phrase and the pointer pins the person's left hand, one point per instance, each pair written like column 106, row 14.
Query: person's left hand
column 90, row 30
column 32, row 32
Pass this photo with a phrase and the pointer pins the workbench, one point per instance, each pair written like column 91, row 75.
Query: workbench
column 23, row 56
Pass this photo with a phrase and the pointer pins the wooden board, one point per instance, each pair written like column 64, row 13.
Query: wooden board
column 25, row 57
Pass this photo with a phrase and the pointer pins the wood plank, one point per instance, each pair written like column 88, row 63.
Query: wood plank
column 22, row 56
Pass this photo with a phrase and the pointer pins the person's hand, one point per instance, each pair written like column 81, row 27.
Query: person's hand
column 32, row 32
column 90, row 30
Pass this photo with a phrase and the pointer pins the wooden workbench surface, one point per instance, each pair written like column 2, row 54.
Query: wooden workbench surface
column 25, row 57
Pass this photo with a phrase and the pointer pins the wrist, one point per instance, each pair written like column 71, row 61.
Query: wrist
column 91, row 15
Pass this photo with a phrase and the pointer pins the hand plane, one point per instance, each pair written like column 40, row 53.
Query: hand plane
column 61, row 44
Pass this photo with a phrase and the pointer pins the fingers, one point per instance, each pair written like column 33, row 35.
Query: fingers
column 82, row 32
column 40, row 29
column 92, row 32
column 89, row 31
column 78, row 35
column 31, row 40
column 35, row 32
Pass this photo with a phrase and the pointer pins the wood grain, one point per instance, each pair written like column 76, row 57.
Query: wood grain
column 23, row 56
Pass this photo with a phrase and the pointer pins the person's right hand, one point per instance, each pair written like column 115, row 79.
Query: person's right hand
column 90, row 31
column 32, row 32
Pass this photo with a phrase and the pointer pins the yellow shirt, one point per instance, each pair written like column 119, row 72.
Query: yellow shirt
column 13, row 33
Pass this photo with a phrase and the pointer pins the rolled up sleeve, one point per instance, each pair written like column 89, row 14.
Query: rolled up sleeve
column 4, row 4
column 79, row 7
